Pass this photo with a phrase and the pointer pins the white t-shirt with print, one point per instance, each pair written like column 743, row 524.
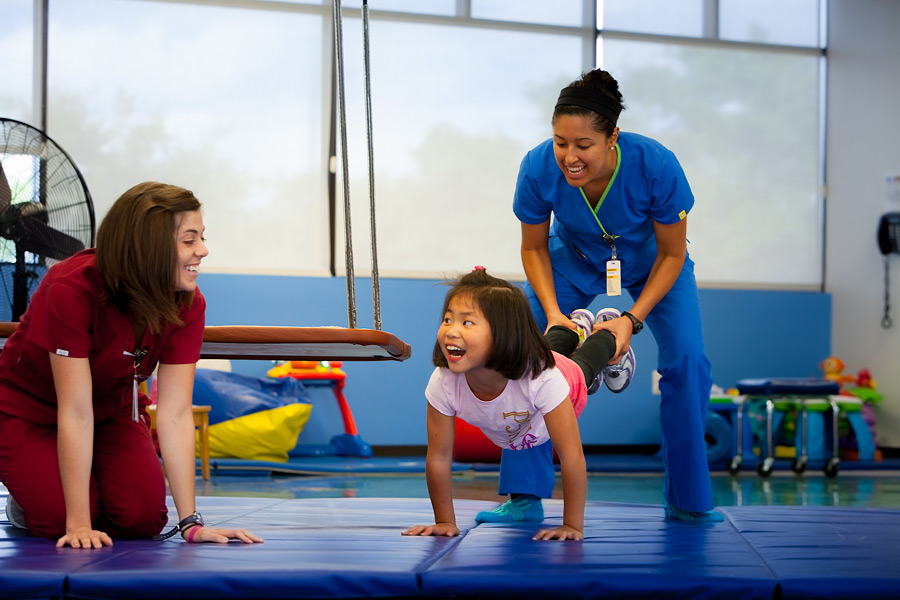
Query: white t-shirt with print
column 514, row 419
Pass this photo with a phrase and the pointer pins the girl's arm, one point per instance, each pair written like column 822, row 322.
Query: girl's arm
column 177, row 442
column 563, row 427
column 438, row 475
column 75, row 443
column 671, row 250
column 538, row 270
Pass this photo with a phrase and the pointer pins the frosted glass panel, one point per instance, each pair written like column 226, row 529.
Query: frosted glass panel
column 450, row 129
column 794, row 23
column 17, row 50
column 752, row 163
column 663, row 17
column 558, row 12
column 225, row 102
column 429, row 7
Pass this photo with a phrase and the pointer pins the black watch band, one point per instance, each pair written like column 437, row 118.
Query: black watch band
column 636, row 324
column 189, row 521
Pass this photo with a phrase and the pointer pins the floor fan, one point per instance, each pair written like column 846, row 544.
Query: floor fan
column 46, row 213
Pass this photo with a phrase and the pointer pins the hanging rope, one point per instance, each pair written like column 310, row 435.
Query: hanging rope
column 376, row 289
column 886, row 321
column 348, row 245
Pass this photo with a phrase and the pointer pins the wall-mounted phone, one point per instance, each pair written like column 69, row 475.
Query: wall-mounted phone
column 888, row 243
column 889, row 233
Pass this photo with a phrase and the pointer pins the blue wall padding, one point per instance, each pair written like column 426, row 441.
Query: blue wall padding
column 334, row 464
column 352, row 547
column 232, row 395
column 388, row 399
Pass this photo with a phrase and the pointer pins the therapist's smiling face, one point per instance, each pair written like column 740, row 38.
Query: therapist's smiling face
column 191, row 247
column 583, row 154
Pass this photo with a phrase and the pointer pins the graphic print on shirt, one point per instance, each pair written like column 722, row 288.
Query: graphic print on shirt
column 520, row 426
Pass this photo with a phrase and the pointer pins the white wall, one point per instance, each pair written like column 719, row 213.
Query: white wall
column 863, row 147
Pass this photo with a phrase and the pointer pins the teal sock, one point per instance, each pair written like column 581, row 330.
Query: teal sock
column 708, row 516
column 519, row 507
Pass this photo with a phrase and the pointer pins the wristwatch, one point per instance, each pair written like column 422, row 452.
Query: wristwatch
column 189, row 521
column 636, row 324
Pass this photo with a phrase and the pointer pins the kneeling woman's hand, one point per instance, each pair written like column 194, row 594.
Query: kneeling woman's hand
column 85, row 537
column 198, row 534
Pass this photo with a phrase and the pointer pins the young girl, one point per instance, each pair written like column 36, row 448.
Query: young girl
column 496, row 371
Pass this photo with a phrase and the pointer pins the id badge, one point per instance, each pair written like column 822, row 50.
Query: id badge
column 613, row 278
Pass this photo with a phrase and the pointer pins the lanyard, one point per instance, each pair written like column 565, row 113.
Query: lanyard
column 607, row 237
column 137, row 355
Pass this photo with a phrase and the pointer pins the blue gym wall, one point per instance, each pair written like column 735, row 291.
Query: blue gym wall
column 748, row 334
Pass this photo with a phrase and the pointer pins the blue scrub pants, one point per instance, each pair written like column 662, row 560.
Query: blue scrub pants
column 686, row 379
column 528, row 471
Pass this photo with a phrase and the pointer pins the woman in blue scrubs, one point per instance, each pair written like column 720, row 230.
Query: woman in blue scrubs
column 619, row 203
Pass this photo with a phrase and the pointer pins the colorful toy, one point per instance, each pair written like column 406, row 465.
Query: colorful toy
column 833, row 368
column 301, row 369
column 864, row 379
column 328, row 373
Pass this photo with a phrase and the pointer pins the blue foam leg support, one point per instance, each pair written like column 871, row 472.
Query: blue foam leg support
column 346, row 444
column 816, row 448
column 864, row 442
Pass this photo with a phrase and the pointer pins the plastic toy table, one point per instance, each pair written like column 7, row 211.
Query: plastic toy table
column 327, row 373
column 814, row 398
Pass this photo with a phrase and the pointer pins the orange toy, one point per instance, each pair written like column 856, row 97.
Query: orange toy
column 293, row 368
column 329, row 371
column 833, row 368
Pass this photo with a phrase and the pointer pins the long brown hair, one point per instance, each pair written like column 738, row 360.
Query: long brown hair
column 137, row 256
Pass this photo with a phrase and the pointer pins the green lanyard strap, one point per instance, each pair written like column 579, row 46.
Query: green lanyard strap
column 607, row 237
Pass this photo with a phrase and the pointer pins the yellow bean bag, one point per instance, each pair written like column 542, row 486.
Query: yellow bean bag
column 265, row 435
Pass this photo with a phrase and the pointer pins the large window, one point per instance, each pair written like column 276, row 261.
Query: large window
column 453, row 117
column 227, row 102
column 233, row 100
column 17, row 50
column 743, row 125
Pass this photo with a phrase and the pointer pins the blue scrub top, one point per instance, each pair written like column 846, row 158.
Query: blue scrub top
column 650, row 186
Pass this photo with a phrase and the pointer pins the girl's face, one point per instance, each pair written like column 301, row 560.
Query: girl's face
column 583, row 153
column 465, row 336
column 191, row 247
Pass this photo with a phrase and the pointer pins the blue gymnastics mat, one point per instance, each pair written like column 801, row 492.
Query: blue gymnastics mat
column 352, row 548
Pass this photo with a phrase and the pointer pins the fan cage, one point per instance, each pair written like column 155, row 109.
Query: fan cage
column 39, row 171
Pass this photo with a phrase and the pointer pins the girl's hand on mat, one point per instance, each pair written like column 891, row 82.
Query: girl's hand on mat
column 85, row 537
column 221, row 536
column 560, row 533
column 447, row 529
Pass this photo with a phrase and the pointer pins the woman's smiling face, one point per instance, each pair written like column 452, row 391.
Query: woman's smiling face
column 582, row 152
column 191, row 249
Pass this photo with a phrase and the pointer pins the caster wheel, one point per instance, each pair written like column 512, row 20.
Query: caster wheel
column 799, row 465
column 735, row 465
column 831, row 467
column 765, row 467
